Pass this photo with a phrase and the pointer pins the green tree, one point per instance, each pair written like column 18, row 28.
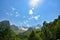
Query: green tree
column 33, row 36
column 5, row 32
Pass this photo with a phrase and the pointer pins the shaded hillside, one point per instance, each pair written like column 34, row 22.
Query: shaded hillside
column 49, row 31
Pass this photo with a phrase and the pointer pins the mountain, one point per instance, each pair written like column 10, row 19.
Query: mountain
column 4, row 25
column 23, row 28
column 19, row 29
column 38, row 26
column 28, row 30
column 15, row 28
column 25, row 33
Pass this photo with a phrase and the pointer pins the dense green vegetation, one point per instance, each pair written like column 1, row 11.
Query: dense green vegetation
column 49, row 31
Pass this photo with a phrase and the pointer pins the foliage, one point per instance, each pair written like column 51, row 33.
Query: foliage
column 49, row 31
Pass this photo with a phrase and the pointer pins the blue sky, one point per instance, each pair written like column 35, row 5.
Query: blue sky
column 29, row 12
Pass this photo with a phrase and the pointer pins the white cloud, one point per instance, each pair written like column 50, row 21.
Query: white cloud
column 30, row 18
column 25, row 22
column 13, row 8
column 30, row 11
column 17, row 14
column 9, row 14
column 12, row 14
column 36, row 17
column 33, row 8
column 25, row 29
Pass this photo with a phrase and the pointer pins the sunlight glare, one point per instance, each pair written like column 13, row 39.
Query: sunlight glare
column 34, row 3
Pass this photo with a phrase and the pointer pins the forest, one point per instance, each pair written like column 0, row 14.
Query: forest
column 49, row 31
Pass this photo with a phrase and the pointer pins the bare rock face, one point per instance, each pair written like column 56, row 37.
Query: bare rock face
column 4, row 25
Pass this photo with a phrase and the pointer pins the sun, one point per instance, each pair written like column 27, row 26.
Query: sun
column 34, row 3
